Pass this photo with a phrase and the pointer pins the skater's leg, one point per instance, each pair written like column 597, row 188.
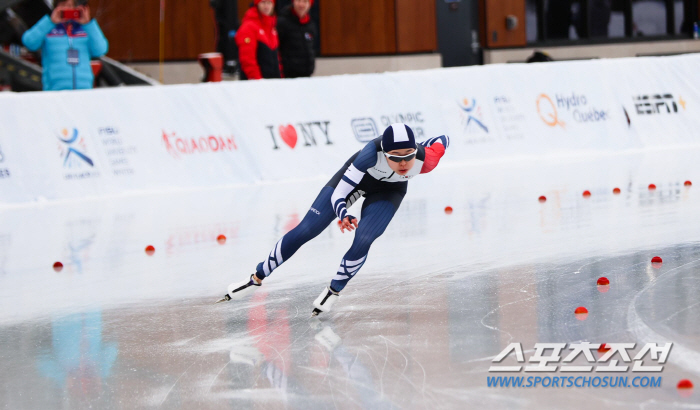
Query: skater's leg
column 316, row 220
column 377, row 211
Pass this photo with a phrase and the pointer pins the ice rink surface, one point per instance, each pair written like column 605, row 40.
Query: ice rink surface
column 439, row 297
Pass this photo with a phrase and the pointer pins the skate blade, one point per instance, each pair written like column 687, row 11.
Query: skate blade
column 315, row 312
column 224, row 299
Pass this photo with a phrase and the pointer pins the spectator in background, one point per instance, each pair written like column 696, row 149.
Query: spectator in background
column 226, row 16
column 296, row 34
column 257, row 42
column 599, row 15
column 558, row 18
column 67, row 45
column 539, row 57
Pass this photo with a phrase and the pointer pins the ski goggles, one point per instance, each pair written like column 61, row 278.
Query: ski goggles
column 399, row 158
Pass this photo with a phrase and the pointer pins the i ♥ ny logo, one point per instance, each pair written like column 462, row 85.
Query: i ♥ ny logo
column 289, row 134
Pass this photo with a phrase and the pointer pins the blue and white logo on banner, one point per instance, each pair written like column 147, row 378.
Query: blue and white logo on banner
column 365, row 129
column 72, row 154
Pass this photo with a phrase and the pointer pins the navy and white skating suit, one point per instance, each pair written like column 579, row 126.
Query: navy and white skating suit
column 367, row 173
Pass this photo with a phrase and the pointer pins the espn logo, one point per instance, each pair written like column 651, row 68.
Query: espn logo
column 365, row 129
column 657, row 104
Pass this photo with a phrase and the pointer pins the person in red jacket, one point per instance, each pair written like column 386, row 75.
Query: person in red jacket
column 257, row 42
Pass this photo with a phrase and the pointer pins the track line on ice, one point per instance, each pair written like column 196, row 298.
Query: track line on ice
column 217, row 376
column 500, row 307
column 644, row 333
column 174, row 384
column 403, row 372
column 381, row 376
column 682, row 310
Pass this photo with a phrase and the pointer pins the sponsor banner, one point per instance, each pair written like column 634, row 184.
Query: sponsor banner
column 304, row 133
column 75, row 156
column 4, row 172
column 574, row 108
column 368, row 128
column 117, row 150
column 651, row 104
column 109, row 141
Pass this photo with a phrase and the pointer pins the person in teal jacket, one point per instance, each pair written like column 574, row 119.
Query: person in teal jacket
column 66, row 47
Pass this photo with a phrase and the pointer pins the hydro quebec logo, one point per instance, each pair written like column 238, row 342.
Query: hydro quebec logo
column 312, row 133
column 73, row 150
column 366, row 129
column 572, row 107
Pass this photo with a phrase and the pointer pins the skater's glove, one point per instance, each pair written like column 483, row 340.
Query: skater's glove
column 349, row 223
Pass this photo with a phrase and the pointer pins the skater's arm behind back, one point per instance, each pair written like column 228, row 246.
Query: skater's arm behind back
column 365, row 159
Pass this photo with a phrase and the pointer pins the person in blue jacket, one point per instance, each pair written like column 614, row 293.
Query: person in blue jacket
column 66, row 47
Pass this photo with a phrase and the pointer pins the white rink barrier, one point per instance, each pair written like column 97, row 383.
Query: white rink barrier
column 64, row 145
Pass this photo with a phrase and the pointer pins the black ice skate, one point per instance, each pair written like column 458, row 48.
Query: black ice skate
column 324, row 301
column 237, row 290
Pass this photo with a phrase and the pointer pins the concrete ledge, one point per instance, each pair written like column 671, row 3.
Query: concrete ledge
column 360, row 65
column 191, row 72
column 655, row 48
column 183, row 72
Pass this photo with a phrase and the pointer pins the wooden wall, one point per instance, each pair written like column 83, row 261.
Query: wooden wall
column 493, row 23
column 132, row 28
column 244, row 5
column 416, row 29
column 358, row 27
column 348, row 27
column 365, row 27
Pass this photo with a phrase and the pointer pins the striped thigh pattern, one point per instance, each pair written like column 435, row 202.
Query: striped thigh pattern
column 377, row 211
